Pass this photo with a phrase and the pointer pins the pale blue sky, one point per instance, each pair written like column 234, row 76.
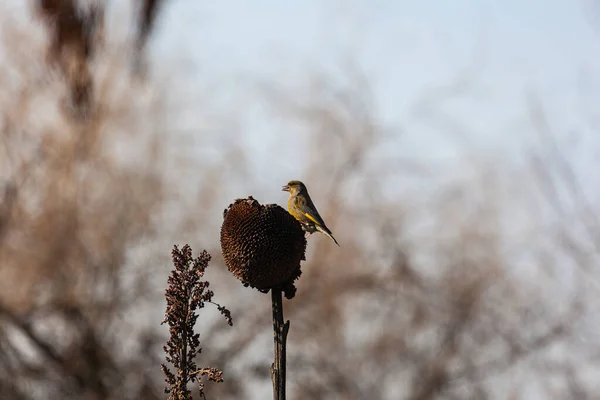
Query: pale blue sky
column 408, row 50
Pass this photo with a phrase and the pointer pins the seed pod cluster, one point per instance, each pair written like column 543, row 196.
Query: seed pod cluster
column 262, row 245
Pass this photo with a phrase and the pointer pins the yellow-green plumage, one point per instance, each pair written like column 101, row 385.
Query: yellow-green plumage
column 301, row 207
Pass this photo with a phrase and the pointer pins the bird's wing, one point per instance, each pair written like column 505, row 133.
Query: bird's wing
column 308, row 209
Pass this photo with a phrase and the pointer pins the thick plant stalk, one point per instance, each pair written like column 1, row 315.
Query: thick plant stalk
column 280, row 331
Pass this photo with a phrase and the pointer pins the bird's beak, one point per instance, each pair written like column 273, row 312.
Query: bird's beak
column 286, row 188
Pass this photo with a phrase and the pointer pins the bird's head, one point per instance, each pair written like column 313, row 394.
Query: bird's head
column 294, row 187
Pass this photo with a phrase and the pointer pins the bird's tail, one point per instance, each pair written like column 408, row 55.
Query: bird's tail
column 323, row 229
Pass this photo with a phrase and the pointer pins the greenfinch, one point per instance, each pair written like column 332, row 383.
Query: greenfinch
column 301, row 207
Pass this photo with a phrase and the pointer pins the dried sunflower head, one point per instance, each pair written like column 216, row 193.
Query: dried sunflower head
column 262, row 245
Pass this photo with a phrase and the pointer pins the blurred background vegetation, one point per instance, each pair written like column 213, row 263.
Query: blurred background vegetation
column 468, row 266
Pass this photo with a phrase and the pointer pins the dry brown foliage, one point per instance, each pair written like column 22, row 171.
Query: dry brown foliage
column 187, row 292
column 83, row 183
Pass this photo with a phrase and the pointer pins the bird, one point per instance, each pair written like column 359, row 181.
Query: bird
column 301, row 207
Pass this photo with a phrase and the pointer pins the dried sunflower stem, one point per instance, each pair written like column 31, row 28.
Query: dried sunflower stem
column 280, row 331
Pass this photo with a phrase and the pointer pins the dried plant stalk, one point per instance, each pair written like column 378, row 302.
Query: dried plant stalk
column 280, row 331
column 185, row 294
